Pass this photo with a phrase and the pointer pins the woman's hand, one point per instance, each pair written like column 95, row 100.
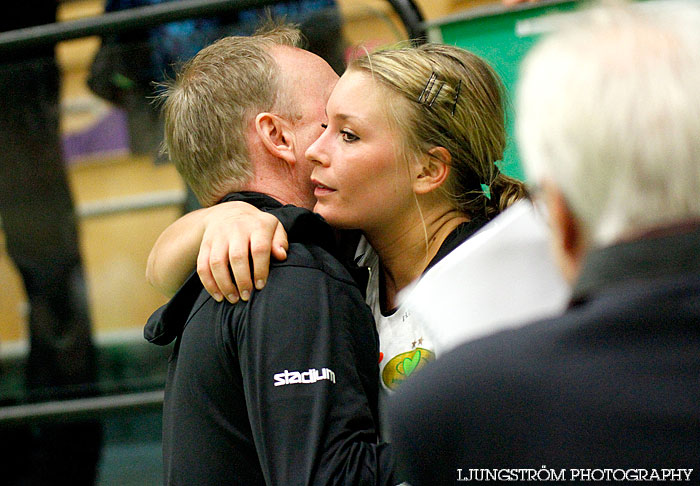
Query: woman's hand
column 220, row 240
column 235, row 233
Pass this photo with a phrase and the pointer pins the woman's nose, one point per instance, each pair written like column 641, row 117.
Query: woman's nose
column 316, row 154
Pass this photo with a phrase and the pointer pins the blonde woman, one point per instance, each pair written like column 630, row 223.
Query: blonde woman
column 407, row 157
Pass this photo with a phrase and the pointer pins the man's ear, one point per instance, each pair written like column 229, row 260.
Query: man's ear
column 432, row 170
column 570, row 241
column 276, row 135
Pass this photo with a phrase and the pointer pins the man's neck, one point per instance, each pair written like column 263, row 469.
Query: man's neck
column 279, row 184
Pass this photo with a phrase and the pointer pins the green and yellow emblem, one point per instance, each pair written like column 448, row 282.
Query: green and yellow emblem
column 404, row 365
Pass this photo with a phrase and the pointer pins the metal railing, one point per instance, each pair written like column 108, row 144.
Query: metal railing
column 153, row 15
column 81, row 408
column 123, row 21
column 412, row 19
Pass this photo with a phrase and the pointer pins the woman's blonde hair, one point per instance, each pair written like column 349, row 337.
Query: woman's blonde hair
column 448, row 97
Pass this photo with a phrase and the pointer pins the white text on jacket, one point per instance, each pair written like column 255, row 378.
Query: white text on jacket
column 312, row 376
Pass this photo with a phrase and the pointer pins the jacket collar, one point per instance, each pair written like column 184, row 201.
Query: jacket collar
column 257, row 199
column 661, row 253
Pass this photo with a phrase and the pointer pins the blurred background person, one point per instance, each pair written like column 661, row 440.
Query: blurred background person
column 42, row 238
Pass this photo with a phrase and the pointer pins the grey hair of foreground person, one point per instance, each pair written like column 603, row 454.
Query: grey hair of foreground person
column 608, row 111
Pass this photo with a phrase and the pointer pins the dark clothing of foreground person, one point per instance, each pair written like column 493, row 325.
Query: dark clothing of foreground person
column 613, row 383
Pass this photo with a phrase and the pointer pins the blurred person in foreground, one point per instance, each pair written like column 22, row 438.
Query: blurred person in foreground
column 608, row 121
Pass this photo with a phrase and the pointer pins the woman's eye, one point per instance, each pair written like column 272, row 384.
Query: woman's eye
column 348, row 136
column 324, row 125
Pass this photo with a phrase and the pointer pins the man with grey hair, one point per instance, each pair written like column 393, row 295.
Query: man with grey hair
column 281, row 388
column 609, row 127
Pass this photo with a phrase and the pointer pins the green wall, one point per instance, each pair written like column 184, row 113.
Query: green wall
column 502, row 37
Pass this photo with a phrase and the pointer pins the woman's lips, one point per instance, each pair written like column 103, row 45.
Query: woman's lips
column 321, row 189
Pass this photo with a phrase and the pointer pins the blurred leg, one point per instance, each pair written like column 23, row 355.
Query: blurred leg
column 42, row 239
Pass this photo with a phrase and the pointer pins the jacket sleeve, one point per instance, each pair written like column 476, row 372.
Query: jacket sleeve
column 308, row 354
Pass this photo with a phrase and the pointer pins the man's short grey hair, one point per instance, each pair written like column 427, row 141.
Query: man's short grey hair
column 609, row 111
column 208, row 107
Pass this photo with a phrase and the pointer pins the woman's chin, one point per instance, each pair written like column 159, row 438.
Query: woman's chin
column 333, row 218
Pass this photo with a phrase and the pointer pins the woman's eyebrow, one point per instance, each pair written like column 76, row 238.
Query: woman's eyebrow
column 346, row 116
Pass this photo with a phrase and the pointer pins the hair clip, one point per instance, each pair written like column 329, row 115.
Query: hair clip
column 427, row 97
column 454, row 104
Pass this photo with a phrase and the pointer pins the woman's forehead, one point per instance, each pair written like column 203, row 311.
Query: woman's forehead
column 357, row 95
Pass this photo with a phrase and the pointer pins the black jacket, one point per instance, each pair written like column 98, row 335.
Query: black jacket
column 281, row 389
column 613, row 383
